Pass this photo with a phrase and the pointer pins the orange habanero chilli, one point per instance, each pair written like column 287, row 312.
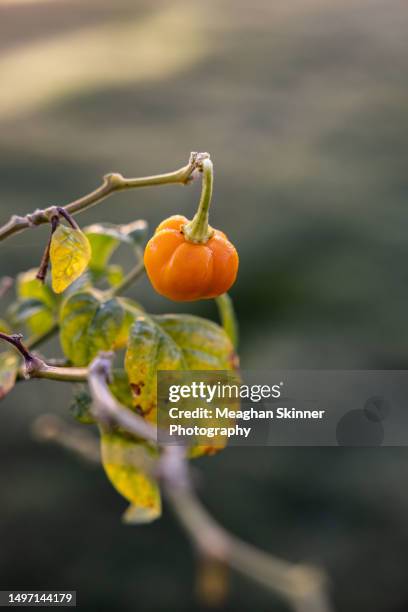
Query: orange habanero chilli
column 183, row 270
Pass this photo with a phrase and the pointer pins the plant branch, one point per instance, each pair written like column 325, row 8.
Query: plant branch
column 16, row 340
column 34, row 367
column 51, row 428
column 106, row 409
column 111, row 183
column 302, row 586
column 129, row 279
column 63, row 374
column 45, row 260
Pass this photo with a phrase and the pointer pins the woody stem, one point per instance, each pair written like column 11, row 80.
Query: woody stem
column 45, row 260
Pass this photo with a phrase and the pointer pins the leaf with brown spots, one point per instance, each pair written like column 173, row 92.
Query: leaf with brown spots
column 149, row 349
column 172, row 342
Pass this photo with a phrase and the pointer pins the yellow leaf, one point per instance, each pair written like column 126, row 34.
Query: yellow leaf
column 70, row 254
column 129, row 466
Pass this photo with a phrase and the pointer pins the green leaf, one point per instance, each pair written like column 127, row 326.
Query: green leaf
column 90, row 323
column 34, row 314
column 70, row 254
column 29, row 287
column 106, row 237
column 36, row 305
column 129, row 466
column 9, row 364
column 204, row 344
column 172, row 342
column 102, row 247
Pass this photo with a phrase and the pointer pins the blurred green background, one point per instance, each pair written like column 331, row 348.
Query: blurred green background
column 303, row 106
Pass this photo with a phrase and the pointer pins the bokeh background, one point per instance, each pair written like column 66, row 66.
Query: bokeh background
column 303, row 106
